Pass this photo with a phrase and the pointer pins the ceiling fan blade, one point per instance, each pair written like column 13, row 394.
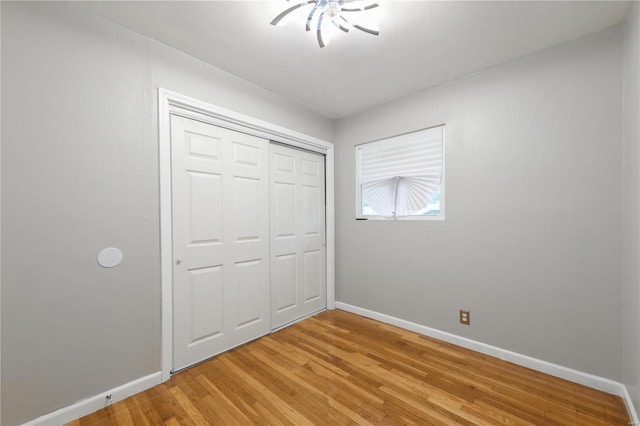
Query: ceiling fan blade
column 321, row 41
column 366, row 30
column 340, row 26
column 310, row 17
column 279, row 17
column 346, row 21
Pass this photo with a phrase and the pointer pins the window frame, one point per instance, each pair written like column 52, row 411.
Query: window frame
column 439, row 217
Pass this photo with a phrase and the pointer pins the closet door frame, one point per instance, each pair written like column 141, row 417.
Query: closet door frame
column 172, row 103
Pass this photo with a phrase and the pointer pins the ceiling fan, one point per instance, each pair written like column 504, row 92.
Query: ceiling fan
column 330, row 12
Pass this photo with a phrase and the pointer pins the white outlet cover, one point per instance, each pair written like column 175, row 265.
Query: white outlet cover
column 110, row 257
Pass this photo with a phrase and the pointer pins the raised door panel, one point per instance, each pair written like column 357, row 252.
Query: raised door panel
column 250, row 307
column 312, row 275
column 205, row 303
column 284, row 218
column 284, row 285
column 247, row 214
column 204, row 215
column 311, row 210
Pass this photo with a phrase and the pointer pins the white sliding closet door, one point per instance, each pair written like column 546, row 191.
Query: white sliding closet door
column 298, row 272
column 220, row 197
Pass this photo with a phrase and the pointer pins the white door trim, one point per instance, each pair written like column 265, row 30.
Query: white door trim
column 174, row 103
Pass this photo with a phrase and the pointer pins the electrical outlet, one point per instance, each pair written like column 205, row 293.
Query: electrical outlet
column 465, row 317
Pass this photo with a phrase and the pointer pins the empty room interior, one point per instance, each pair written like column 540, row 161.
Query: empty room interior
column 391, row 212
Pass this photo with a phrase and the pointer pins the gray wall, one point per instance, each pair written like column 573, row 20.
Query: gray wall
column 532, row 241
column 631, row 229
column 80, row 173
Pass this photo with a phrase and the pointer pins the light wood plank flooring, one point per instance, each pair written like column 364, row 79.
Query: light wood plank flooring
column 341, row 369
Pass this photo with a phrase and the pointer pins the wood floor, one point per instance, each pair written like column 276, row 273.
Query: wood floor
column 341, row 369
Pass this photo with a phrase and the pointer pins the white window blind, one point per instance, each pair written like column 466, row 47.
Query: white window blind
column 399, row 176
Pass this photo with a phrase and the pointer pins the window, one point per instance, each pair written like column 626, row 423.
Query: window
column 402, row 177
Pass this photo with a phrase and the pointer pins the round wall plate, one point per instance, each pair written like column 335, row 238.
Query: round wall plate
column 110, row 257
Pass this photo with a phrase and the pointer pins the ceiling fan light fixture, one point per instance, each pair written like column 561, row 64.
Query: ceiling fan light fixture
column 332, row 9
column 331, row 16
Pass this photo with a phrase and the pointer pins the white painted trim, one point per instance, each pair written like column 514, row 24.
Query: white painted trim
column 95, row 403
column 330, row 227
column 586, row 379
column 166, row 241
column 0, row 239
column 174, row 103
column 628, row 402
column 199, row 110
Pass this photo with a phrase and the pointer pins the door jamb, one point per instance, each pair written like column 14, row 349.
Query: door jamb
column 174, row 103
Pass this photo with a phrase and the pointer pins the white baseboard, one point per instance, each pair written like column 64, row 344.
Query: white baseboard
column 586, row 379
column 90, row 405
column 95, row 403
column 633, row 415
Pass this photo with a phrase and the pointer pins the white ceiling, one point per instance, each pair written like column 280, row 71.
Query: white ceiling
column 421, row 43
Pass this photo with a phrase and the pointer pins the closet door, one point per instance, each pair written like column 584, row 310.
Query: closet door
column 298, row 272
column 220, row 239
